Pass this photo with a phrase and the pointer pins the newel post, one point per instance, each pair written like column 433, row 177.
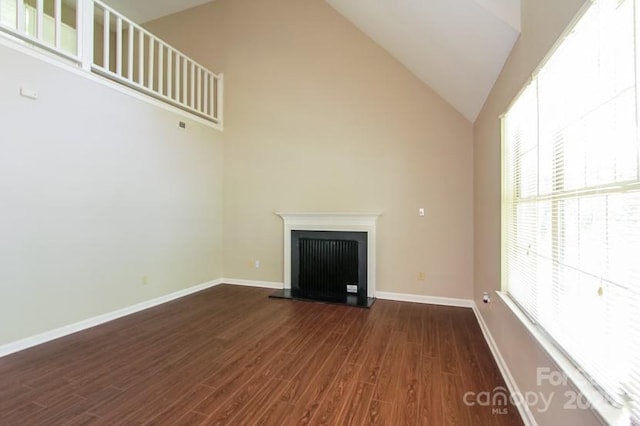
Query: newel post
column 85, row 32
column 220, row 99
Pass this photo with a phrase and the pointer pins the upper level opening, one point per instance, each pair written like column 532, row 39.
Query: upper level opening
column 103, row 41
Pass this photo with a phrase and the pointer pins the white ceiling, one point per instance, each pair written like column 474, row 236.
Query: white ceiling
column 457, row 47
column 146, row 10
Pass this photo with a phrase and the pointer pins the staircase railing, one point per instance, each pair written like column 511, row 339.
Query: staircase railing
column 103, row 41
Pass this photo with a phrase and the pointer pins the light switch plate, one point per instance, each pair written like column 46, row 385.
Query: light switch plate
column 28, row 93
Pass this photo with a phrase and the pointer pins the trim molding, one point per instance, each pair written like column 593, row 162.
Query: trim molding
column 431, row 300
column 523, row 409
column 47, row 336
column 250, row 283
column 350, row 222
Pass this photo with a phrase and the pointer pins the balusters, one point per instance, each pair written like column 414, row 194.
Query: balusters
column 178, row 94
column 218, row 116
column 169, row 73
column 140, row 58
column 151, row 67
column 185, row 97
column 40, row 20
column 130, row 54
column 130, row 47
column 199, row 89
column 20, row 24
column 119, row 46
column 58, row 24
column 205, row 90
column 161, row 68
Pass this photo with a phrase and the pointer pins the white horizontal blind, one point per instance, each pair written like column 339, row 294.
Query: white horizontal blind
column 571, row 198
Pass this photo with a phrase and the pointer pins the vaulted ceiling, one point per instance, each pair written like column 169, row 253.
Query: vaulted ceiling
column 146, row 10
column 457, row 47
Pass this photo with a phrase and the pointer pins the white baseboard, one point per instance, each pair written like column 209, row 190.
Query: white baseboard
column 250, row 283
column 47, row 336
column 523, row 409
column 399, row 297
column 431, row 300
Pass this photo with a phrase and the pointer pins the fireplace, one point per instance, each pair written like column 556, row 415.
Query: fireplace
column 329, row 257
column 329, row 265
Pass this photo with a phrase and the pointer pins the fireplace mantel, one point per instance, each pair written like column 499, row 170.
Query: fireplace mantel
column 348, row 222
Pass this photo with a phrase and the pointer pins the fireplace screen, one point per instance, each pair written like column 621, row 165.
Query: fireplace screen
column 328, row 264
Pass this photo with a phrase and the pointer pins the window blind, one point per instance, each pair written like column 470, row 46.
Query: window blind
column 571, row 199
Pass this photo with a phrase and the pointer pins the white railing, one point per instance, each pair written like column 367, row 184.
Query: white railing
column 105, row 42
column 29, row 21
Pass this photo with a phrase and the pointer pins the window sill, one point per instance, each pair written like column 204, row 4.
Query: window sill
column 592, row 400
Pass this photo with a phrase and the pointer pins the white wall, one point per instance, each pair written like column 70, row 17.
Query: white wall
column 98, row 189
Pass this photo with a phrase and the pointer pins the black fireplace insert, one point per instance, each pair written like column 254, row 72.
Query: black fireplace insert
column 329, row 266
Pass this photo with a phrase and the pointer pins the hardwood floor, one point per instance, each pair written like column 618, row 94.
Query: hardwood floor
column 230, row 355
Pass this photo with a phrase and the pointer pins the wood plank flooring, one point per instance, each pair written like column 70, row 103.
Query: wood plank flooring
column 230, row 355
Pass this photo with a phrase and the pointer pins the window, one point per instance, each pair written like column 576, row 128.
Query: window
column 571, row 199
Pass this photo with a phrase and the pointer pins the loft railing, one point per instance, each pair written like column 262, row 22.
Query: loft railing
column 27, row 20
column 105, row 42
column 137, row 58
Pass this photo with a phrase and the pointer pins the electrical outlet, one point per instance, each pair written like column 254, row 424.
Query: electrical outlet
column 145, row 279
column 257, row 264
column 422, row 276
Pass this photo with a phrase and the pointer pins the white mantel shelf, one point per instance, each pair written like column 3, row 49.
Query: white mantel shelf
column 332, row 221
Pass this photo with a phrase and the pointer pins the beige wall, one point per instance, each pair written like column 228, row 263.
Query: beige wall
column 320, row 118
column 542, row 23
column 103, row 190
